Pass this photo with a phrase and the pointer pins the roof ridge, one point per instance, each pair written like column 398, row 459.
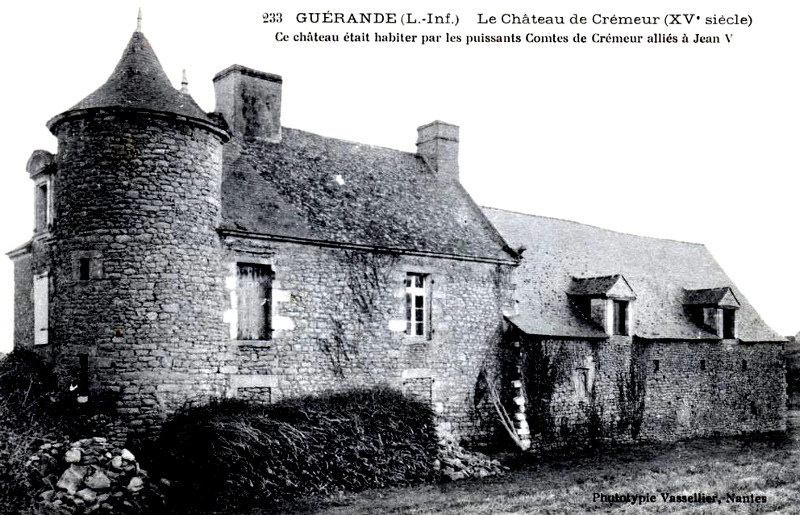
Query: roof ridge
column 594, row 226
column 350, row 142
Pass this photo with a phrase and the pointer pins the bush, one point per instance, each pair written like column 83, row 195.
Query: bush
column 27, row 386
column 231, row 453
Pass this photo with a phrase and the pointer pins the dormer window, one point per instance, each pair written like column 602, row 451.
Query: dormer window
column 713, row 309
column 620, row 317
column 42, row 199
column 604, row 301
column 728, row 323
column 41, row 166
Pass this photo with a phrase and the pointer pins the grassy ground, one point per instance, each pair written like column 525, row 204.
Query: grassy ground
column 768, row 467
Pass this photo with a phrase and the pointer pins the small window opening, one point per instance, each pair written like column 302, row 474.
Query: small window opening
column 744, row 364
column 702, row 364
column 84, row 268
column 655, row 365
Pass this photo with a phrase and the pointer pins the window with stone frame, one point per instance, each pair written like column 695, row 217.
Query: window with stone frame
column 43, row 216
column 254, row 301
column 418, row 305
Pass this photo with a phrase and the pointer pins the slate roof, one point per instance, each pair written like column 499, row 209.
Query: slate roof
column 138, row 82
column 707, row 297
column 659, row 271
column 597, row 286
column 317, row 188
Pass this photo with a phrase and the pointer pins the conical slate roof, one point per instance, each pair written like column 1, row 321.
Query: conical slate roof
column 139, row 82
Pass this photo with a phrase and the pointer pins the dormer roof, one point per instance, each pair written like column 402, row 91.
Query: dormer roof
column 604, row 287
column 137, row 83
column 709, row 297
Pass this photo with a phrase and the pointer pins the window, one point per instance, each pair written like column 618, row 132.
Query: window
column 744, row 365
column 84, row 265
column 729, row 323
column 655, row 365
column 41, row 309
column 42, row 214
column 417, row 305
column 87, row 265
column 621, row 317
column 254, row 294
column 702, row 364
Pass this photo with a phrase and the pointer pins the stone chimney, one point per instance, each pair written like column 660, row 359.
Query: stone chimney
column 250, row 101
column 437, row 144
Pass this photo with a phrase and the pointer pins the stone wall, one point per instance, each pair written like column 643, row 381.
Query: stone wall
column 624, row 389
column 139, row 199
column 573, row 389
column 711, row 388
column 339, row 321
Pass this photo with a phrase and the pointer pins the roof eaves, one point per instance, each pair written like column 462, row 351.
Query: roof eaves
column 226, row 231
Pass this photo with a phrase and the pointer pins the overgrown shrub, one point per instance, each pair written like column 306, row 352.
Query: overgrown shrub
column 27, row 387
column 231, row 453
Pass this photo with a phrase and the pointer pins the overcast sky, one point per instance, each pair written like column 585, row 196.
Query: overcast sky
column 693, row 142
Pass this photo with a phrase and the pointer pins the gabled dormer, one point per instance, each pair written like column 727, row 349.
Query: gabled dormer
column 41, row 168
column 606, row 301
column 713, row 309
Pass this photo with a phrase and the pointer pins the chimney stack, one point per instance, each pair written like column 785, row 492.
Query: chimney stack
column 437, row 144
column 250, row 101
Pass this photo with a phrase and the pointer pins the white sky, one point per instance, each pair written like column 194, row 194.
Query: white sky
column 689, row 142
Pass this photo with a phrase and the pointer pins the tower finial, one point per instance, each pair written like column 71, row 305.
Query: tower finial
column 139, row 21
column 184, row 83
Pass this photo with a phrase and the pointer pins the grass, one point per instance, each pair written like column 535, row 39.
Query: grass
column 768, row 466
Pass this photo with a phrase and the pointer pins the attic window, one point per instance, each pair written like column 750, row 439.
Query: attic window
column 621, row 317
column 713, row 309
column 604, row 301
column 729, row 323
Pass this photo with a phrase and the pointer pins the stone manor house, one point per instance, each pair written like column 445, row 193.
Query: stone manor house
column 180, row 255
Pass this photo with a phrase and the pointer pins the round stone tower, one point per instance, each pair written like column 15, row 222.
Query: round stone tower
column 136, row 297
